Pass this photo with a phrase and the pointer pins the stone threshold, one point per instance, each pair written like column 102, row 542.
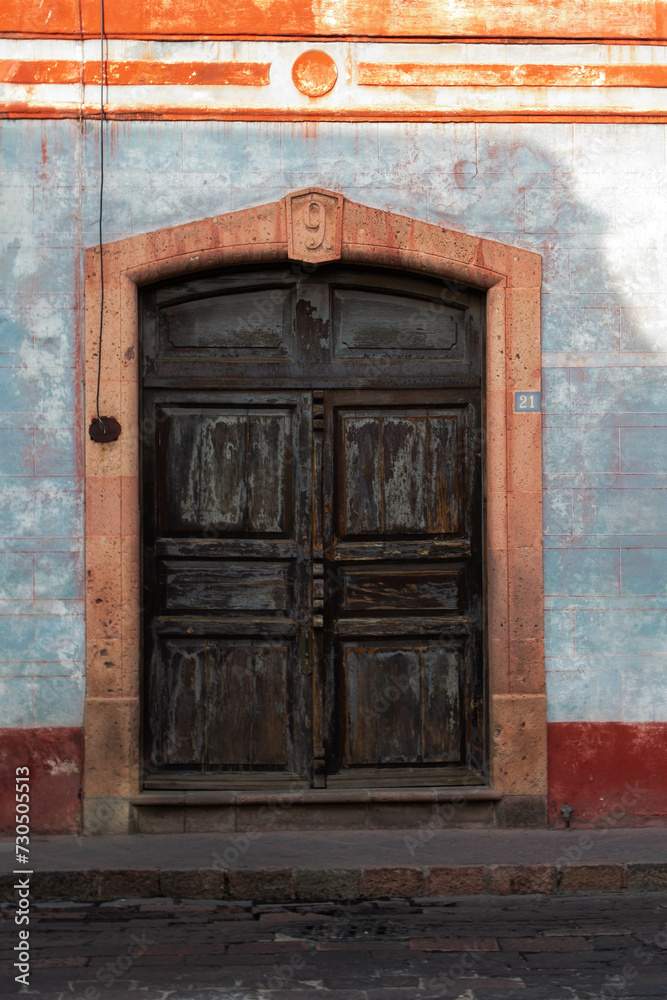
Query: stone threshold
column 318, row 796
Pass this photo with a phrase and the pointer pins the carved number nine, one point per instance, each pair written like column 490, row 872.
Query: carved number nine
column 314, row 220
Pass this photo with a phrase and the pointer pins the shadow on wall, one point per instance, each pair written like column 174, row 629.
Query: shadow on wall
column 592, row 203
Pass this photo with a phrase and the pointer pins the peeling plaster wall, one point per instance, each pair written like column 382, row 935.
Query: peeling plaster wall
column 589, row 198
column 41, row 495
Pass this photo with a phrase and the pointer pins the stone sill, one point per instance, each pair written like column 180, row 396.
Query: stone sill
column 318, row 796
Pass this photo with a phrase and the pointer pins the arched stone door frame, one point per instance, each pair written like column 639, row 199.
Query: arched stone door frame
column 511, row 279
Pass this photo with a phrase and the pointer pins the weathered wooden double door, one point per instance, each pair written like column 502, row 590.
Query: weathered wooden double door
column 312, row 526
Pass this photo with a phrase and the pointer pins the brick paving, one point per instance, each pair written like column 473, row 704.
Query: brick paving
column 530, row 947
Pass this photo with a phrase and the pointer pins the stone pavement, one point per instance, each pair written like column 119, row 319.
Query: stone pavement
column 340, row 865
column 584, row 947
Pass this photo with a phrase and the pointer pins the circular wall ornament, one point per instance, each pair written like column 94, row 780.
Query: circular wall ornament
column 314, row 73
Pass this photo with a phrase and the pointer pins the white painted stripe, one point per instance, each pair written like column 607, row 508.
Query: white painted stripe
column 27, row 49
column 447, row 53
column 282, row 97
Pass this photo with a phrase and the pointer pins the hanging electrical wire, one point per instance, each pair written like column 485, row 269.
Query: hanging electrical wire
column 99, row 346
column 102, row 428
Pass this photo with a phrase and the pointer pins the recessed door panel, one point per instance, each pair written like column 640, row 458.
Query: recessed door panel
column 221, row 703
column 398, row 470
column 226, row 471
column 403, row 703
column 373, row 324
column 228, row 586
column 413, row 588
column 254, row 322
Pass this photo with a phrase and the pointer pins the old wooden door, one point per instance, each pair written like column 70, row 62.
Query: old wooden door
column 312, row 468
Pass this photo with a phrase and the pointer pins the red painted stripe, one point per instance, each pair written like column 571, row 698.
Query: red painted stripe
column 54, row 757
column 472, row 75
column 593, row 19
column 136, row 73
column 610, row 773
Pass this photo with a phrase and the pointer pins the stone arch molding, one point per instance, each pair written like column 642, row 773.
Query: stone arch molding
column 313, row 226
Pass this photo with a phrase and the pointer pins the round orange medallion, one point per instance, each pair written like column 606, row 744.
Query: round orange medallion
column 314, row 73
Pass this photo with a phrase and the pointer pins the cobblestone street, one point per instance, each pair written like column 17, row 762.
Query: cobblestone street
column 473, row 948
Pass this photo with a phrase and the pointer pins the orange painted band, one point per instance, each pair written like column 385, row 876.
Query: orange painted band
column 27, row 73
column 614, row 19
column 77, row 36
column 136, row 73
column 471, row 75
column 157, row 113
column 246, row 74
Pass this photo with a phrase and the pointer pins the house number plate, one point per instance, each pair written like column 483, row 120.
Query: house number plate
column 527, row 402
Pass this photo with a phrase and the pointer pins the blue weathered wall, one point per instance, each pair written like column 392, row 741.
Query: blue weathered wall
column 589, row 198
column 41, row 509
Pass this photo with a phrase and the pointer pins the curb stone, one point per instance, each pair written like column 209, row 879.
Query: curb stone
column 322, row 884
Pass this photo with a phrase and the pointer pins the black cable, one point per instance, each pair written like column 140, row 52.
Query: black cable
column 99, row 346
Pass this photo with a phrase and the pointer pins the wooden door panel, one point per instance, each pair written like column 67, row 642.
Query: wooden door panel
column 226, row 473
column 240, row 322
column 415, row 588
column 226, row 586
column 273, row 712
column 230, row 705
column 221, row 703
column 223, row 479
column 403, row 542
column 382, row 324
column 403, row 703
column 443, row 676
column 227, row 583
column 181, row 512
column 398, row 698
column 360, row 475
column 269, row 474
column 398, row 471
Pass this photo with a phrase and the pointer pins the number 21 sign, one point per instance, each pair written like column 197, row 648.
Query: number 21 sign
column 527, row 402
